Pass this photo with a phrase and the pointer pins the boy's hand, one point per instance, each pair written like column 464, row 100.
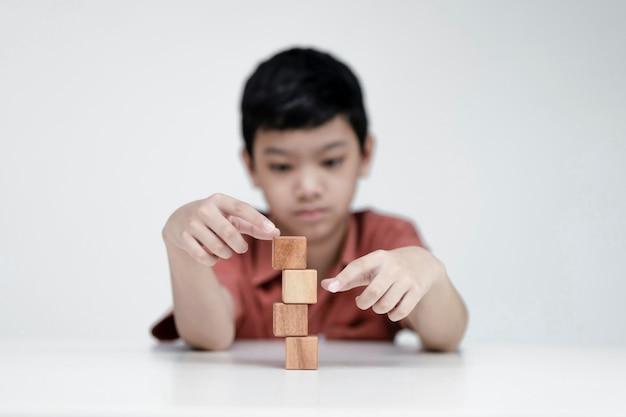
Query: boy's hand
column 395, row 280
column 211, row 229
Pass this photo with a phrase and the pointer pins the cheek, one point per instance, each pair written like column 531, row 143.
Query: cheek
column 275, row 194
column 345, row 185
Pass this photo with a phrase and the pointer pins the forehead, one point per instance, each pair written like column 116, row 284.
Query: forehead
column 334, row 134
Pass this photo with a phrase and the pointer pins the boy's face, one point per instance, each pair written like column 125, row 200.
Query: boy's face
column 309, row 176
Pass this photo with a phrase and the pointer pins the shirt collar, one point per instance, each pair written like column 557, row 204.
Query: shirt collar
column 264, row 273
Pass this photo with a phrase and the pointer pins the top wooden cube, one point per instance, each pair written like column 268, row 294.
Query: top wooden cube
column 289, row 252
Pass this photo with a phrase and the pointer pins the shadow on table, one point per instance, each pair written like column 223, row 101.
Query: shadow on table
column 332, row 354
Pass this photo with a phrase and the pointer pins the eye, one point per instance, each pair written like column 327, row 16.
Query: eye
column 280, row 167
column 332, row 162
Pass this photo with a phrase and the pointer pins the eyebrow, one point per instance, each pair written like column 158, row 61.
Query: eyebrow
column 278, row 151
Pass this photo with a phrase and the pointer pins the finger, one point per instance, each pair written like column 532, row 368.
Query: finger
column 357, row 273
column 383, row 304
column 223, row 230
column 375, row 292
column 210, row 259
column 253, row 230
column 405, row 306
column 214, row 244
column 261, row 225
column 197, row 251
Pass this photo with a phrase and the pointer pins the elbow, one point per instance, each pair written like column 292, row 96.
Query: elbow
column 442, row 344
column 441, row 347
column 445, row 342
column 211, row 342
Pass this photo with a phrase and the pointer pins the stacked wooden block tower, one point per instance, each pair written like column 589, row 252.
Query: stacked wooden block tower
column 291, row 316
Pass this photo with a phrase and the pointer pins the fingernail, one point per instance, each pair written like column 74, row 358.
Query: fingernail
column 268, row 226
column 334, row 286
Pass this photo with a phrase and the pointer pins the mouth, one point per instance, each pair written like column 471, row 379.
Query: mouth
column 311, row 215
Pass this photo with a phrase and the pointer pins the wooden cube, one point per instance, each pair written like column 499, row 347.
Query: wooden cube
column 291, row 319
column 301, row 352
column 289, row 252
column 300, row 286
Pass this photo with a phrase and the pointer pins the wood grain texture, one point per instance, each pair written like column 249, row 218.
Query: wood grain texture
column 289, row 252
column 290, row 319
column 300, row 286
column 301, row 352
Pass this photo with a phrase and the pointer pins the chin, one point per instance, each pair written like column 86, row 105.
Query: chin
column 319, row 232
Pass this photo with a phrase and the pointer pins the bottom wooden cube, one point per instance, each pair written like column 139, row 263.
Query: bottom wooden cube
column 301, row 352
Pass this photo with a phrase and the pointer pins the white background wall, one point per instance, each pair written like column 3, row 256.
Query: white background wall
column 501, row 132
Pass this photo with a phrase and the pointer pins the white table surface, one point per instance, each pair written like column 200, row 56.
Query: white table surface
column 354, row 379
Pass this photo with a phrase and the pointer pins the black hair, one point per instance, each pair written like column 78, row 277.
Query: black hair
column 301, row 88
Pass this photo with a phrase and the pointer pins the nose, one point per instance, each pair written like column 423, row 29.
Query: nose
column 308, row 184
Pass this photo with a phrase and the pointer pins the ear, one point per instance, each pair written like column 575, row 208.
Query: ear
column 367, row 156
column 249, row 164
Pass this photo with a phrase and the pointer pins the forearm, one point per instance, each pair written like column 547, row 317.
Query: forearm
column 440, row 318
column 203, row 309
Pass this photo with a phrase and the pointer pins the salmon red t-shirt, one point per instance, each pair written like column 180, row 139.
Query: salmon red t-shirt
column 255, row 286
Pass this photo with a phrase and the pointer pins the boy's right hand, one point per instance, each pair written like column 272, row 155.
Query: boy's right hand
column 211, row 229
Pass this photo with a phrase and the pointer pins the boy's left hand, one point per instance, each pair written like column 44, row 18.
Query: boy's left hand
column 395, row 280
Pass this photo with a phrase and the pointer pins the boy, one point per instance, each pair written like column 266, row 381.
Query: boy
column 306, row 146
